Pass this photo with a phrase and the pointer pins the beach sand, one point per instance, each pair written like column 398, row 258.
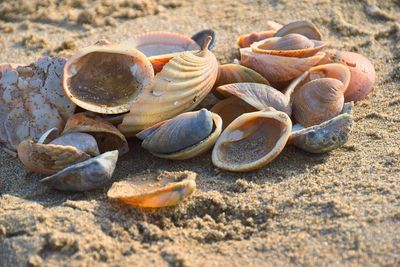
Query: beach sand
column 339, row 208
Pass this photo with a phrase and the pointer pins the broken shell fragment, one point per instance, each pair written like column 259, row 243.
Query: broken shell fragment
column 119, row 76
column 183, row 137
column 180, row 86
column 201, row 37
column 252, row 140
column 108, row 137
column 84, row 176
column 150, row 191
column 305, row 28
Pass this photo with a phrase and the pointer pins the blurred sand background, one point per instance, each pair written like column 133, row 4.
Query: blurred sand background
column 340, row 208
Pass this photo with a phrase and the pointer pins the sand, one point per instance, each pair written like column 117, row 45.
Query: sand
column 340, row 208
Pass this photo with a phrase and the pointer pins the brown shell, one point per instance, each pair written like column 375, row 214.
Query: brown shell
column 303, row 27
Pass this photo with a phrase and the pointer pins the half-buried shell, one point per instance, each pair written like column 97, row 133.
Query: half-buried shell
column 152, row 191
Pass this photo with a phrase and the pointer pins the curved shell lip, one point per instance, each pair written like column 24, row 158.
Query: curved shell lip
column 198, row 148
column 318, row 45
column 114, row 49
column 313, row 32
column 200, row 37
column 278, row 115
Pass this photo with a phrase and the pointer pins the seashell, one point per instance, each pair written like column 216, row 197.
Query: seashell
column 108, row 137
column 32, row 100
column 183, row 137
column 48, row 136
column 235, row 73
column 180, row 86
column 48, row 158
column 82, row 141
column 231, row 108
column 305, row 28
column 120, row 75
column 318, row 101
column 87, row 175
column 252, row 140
column 291, row 45
column 326, row 136
column 361, row 69
column 260, row 96
column 247, row 39
column 201, row 38
column 150, row 191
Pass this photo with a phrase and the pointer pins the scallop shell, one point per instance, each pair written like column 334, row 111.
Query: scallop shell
column 362, row 73
column 108, row 137
column 305, row 28
column 84, row 176
column 120, row 75
column 151, row 191
column 180, row 86
column 260, row 96
column 183, row 137
column 252, row 140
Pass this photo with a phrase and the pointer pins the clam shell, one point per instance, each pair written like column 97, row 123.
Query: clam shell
column 247, row 39
column 362, row 73
column 231, row 108
column 120, row 75
column 260, row 96
column 252, row 140
column 48, row 136
column 82, row 141
column 180, row 86
column 201, row 38
column 48, row 158
column 278, row 69
column 303, row 27
column 150, row 191
column 183, row 137
column 87, row 175
column 108, row 137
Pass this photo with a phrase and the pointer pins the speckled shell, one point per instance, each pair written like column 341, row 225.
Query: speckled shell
column 260, row 96
column 84, row 176
column 108, row 137
column 252, row 140
column 183, row 137
column 180, row 86
column 361, row 69
column 326, row 136
column 152, row 191
column 303, row 27
column 119, row 76
column 48, row 158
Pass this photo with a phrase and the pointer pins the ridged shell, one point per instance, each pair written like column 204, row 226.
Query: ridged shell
column 183, row 137
column 231, row 108
column 260, row 96
column 119, row 76
column 326, row 136
column 362, row 73
column 278, row 69
column 152, row 191
column 303, row 27
column 180, row 86
column 317, row 101
column 82, row 141
column 48, row 158
column 252, row 140
column 108, row 137
column 84, row 176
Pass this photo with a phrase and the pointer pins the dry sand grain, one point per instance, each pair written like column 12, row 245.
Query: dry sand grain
column 340, row 208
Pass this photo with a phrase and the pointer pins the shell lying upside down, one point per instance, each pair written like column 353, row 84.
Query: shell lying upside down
column 252, row 140
column 87, row 175
column 150, row 191
column 180, row 86
column 183, row 137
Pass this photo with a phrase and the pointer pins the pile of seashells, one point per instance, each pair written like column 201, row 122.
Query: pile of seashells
column 284, row 90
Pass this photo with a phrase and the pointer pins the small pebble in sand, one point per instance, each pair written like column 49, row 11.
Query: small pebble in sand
column 34, row 42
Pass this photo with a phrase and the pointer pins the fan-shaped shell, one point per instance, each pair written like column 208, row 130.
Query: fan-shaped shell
column 251, row 141
column 183, row 137
column 180, row 86
column 260, row 96
column 305, row 28
column 108, row 137
column 361, row 69
column 119, row 76
column 84, row 176
column 152, row 191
